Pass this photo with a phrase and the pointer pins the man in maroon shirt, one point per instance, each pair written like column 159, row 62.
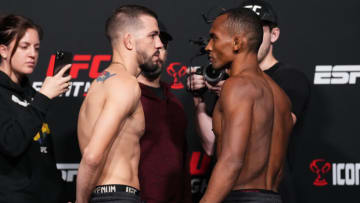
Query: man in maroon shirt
column 163, row 169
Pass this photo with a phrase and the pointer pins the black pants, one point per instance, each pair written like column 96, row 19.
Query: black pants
column 115, row 197
column 253, row 196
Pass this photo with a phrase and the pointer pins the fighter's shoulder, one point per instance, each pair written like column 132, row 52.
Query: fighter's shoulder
column 240, row 83
column 105, row 76
column 120, row 84
column 241, row 86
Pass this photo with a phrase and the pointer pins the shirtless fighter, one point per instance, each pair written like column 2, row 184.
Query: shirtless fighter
column 111, row 118
column 252, row 118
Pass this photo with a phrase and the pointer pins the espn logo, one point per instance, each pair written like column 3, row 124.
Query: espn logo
column 336, row 75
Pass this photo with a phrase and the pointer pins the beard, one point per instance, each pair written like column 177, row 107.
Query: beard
column 149, row 69
column 153, row 74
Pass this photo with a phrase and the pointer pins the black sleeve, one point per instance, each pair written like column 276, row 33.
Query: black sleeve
column 297, row 87
column 18, row 129
column 210, row 101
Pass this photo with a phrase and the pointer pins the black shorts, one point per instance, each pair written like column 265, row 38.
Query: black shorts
column 253, row 196
column 115, row 194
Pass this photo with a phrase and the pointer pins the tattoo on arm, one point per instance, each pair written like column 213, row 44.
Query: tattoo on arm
column 104, row 76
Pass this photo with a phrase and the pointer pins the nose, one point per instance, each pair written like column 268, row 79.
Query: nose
column 158, row 43
column 33, row 52
column 208, row 46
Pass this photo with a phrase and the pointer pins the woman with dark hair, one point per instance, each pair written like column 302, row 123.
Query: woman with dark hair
column 27, row 166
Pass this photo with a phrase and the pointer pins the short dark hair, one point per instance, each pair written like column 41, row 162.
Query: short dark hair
column 269, row 24
column 125, row 16
column 14, row 27
column 242, row 20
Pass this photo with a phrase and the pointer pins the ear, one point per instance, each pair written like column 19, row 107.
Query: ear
column 128, row 41
column 275, row 34
column 4, row 51
column 237, row 43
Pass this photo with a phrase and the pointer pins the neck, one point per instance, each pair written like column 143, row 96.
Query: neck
column 128, row 62
column 268, row 61
column 244, row 62
column 15, row 77
column 152, row 83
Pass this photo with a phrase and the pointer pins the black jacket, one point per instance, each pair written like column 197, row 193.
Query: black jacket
column 27, row 166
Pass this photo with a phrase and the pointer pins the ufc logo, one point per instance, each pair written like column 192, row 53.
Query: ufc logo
column 68, row 171
column 254, row 8
column 130, row 190
column 336, row 75
column 199, row 163
column 43, row 150
column 176, row 74
column 82, row 62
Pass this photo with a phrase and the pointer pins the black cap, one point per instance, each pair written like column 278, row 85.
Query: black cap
column 262, row 8
column 164, row 35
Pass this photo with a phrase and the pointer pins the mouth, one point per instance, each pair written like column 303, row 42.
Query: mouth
column 210, row 58
column 31, row 63
column 157, row 54
column 159, row 61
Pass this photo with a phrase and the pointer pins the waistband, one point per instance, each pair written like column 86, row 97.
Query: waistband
column 257, row 190
column 113, row 188
column 253, row 195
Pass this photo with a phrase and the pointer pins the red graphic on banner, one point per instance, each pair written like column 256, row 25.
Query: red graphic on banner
column 82, row 62
column 171, row 70
column 320, row 167
column 199, row 163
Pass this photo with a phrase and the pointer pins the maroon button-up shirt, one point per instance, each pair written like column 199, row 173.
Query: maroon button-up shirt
column 163, row 168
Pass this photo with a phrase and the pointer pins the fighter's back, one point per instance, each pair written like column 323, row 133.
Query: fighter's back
column 282, row 127
column 268, row 124
column 112, row 113
column 269, row 137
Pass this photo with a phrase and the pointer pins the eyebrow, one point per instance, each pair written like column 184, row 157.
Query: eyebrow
column 156, row 32
column 28, row 43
